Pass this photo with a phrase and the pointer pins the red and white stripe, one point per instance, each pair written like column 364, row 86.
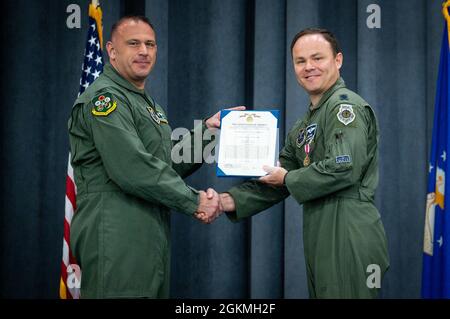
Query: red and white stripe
column 67, row 258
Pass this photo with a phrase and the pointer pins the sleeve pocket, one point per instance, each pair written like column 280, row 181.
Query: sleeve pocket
column 339, row 153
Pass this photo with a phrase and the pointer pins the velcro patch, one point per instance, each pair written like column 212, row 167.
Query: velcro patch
column 341, row 159
column 162, row 117
column 104, row 104
column 346, row 115
column 306, row 135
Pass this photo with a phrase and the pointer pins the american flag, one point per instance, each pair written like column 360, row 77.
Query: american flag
column 91, row 69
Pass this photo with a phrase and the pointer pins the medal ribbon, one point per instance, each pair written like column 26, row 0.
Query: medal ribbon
column 307, row 149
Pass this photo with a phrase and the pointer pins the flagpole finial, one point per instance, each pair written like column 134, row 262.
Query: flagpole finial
column 95, row 12
column 445, row 8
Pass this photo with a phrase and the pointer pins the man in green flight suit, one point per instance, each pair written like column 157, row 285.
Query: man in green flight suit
column 121, row 155
column 330, row 165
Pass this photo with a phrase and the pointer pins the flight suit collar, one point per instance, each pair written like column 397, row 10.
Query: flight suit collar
column 337, row 85
column 112, row 73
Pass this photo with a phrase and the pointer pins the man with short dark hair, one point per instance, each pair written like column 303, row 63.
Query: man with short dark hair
column 121, row 146
column 330, row 165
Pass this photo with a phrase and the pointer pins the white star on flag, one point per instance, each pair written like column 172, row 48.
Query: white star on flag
column 98, row 59
column 93, row 26
column 87, row 70
column 430, row 168
column 444, row 156
column 96, row 74
column 92, row 41
column 440, row 241
column 90, row 55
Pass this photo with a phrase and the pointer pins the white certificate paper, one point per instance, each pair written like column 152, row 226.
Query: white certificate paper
column 248, row 140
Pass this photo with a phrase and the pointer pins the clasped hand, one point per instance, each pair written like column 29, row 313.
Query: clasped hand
column 213, row 204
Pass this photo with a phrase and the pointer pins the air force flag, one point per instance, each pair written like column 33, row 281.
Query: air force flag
column 436, row 247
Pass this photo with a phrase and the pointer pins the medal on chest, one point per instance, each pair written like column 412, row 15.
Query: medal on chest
column 305, row 139
column 307, row 159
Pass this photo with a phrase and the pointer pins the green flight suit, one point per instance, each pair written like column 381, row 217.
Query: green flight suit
column 127, row 184
column 343, row 234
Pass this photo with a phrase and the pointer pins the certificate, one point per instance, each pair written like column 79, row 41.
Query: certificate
column 248, row 140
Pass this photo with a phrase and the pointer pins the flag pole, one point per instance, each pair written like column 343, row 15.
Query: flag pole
column 445, row 8
column 96, row 13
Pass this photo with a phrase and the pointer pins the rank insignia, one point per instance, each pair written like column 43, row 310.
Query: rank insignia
column 104, row 104
column 346, row 114
column 343, row 97
column 300, row 137
column 154, row 115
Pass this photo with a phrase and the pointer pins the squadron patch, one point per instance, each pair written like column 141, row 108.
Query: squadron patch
column 104, row 104
column 306, row 135
column 346, row 114
column 153, row 115
column 162, row 117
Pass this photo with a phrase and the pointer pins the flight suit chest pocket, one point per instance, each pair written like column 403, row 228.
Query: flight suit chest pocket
column 154, row 131
column 166, row 132
column 148, row 129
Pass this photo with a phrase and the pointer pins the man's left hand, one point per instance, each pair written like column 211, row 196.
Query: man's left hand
column 275, row 175
column 214, row 121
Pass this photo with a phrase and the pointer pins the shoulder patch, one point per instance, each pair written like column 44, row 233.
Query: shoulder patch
column 104, row 104
column 346, row 114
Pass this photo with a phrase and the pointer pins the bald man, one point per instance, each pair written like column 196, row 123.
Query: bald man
column 126, row 181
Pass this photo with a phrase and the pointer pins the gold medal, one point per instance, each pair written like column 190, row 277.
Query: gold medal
column 306, row 161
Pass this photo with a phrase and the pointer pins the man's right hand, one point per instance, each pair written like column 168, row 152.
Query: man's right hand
column 227, row 203
column 208, row 208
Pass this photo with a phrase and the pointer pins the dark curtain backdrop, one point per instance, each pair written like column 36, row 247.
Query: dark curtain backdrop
column 213, row 54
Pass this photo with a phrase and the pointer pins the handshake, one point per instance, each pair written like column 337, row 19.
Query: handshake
column 212, row 205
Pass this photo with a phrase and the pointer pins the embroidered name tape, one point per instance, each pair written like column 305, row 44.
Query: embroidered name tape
column 343, row 159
